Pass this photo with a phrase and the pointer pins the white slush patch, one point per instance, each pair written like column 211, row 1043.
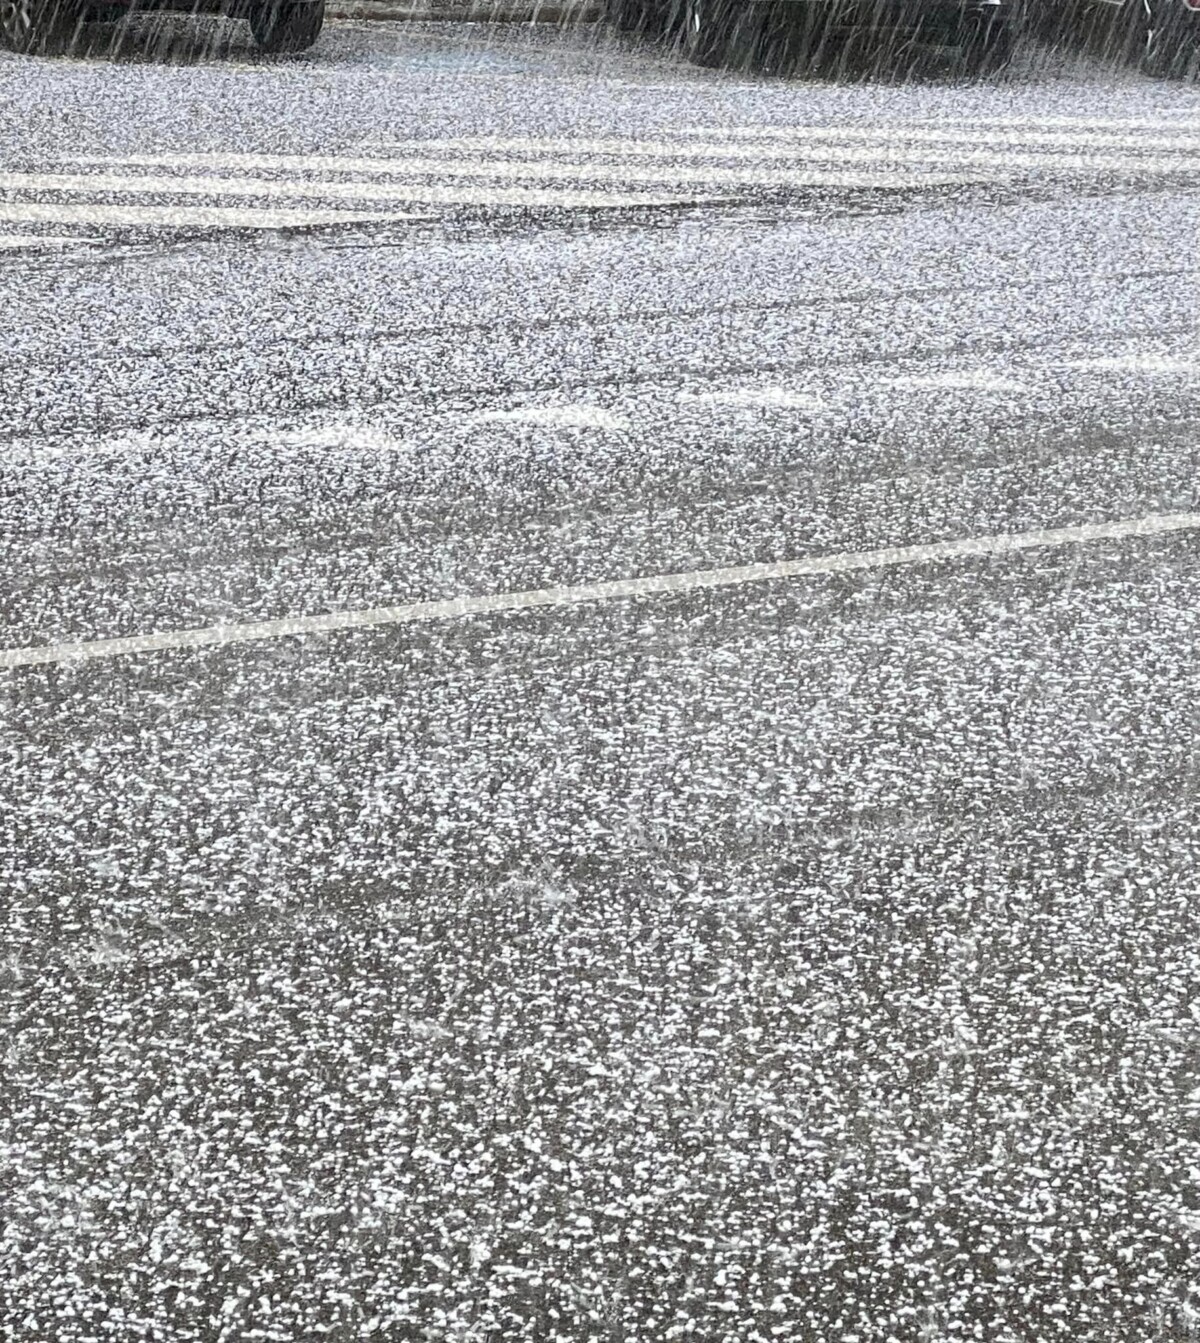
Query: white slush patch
column 558, row 417
column 335, row 435
column 756, row 398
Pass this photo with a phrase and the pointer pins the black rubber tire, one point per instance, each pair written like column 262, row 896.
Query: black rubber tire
column 722, row 32
column 626, row 15
column 700, row 40
column 1169, row 48
column 286, row 25
column 39, row 27
column 987, row 47
column 776, row 39
column 1050, row 23
column 747, row 34
column 646, row 18
column 795, row 39
column 704, row 32
column 857, row 56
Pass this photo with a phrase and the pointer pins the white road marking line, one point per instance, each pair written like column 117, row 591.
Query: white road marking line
column 831, row 156
column 101, row 184
column 538, row 170
column 558, row 417
column 181, row 216
column 1184, row 122
column 772, row 139
column 20, row 242
column 654, row 585
column 775, row 142
column 758, row 398
column 265, row 187
column 949, row 156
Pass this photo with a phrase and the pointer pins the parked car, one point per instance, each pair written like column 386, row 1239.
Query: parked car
column 827, row 33
column 50, row 27
column 1162, row 36
column 1172, row 37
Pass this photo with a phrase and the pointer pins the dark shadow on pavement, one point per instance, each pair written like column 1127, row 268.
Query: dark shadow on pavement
column 172, row 38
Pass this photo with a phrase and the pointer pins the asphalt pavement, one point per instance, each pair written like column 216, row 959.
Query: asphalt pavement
column 599, row 696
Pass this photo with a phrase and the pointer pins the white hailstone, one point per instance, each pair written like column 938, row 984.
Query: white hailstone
column 428, row 1029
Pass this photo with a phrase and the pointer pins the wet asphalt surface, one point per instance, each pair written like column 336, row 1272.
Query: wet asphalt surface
column 808, row 960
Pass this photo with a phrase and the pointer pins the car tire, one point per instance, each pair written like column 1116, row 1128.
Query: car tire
column 286, row 25
column 703, row 33
column 1169, row 50
column 646, row 18
column 722, row 32
column 859, row 55
column 39, row 27
column 987, row 47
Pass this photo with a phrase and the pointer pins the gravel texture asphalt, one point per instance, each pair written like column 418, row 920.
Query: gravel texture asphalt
column 813, row 958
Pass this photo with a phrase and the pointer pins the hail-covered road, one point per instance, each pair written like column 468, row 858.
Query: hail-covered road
column 600, row 699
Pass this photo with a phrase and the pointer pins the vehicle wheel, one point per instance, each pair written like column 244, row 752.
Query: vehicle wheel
column 987, row 47
column 802, row 38
column 773, row 38
column 722, row 32
column 286, row 25
column 857, row 55
column 704, row 32
column 1169, row 50
column 748, row 30
column 644, row 17
column 39, row 27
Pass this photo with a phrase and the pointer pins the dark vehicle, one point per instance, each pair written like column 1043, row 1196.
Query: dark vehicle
column 49, row 27
column 828, row 34
column 1161, row 36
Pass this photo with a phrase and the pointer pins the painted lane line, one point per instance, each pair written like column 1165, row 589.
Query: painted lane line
column 1089, row 129
column 181, row 216
column 654, row 585
column 96, row 184
column 1183, row 124
column 770, row 141
column 947, row 156
column 942, row 158
column 774, row 142
column 541, row 170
